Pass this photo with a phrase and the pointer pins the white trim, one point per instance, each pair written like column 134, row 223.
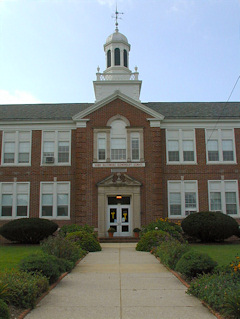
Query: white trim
column 203, row 124
column 117, row 95
column 135, row 164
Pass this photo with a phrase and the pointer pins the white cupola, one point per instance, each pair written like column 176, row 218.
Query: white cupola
column 117, row 76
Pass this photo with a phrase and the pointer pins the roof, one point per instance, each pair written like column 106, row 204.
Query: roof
column 170, row 110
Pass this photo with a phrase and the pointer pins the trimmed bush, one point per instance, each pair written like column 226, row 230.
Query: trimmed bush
column 24, row 288
column 66, row 229
column 28, row 230
column 4, row 311
column 62, row 248
column 171, row 251
column 217, row 290
column 193, row 263
column 152, row 239
column 210, row 226
column 165, row 225
column 84, row 240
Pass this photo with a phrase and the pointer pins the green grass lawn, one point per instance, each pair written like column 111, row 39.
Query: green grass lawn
column 223, row 254
column 10, row 255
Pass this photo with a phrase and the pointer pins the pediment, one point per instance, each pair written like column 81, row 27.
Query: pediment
column 118, row 180
column 117, row 95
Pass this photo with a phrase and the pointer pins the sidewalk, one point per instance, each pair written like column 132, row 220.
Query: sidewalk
column 120, row 283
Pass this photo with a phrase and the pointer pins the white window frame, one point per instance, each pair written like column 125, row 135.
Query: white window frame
column 101, row 136
column 135, row 135
column 216, row 134
column 56, row 141
column 182, row 190
column 222, row 190
column 17, row 142
column 180, row 139
column 54, row 192
column 14, row 194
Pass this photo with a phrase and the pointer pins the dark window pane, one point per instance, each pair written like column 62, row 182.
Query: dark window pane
column 228, row 156
column 125, row 229
column 21, row 210
column 173, row 156
column 188, row 156
column 115, row 201
column 213, row 156
column 117, row 56
column 47, row 211
column 125, row 58
column 6, row 211
column 108, row 58
column 62, row 211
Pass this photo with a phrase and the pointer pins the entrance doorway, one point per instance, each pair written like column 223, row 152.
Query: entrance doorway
column 118, row 215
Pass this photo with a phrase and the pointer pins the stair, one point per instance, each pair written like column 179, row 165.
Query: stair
column 118, row 240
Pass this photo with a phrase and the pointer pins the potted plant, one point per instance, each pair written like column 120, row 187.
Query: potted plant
column 136, row 232
column 111, row 231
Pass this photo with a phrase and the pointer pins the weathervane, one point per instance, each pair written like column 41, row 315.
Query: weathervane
column 116, row 18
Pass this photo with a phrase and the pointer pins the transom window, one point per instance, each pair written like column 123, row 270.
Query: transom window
column 182, row 198
column 223, row 196
column 16, row 148
column 220, row 146
column 14, row 200
column 180, row 146
column 55, row 200
column 56, row 147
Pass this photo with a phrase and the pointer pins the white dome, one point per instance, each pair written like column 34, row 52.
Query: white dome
column 117, row 37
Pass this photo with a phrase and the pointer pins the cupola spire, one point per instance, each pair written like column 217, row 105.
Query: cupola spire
column 116, row 18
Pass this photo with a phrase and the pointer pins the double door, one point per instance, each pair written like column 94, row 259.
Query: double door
column 119, row 219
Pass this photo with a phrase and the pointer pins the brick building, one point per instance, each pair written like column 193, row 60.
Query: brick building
column 118, row 162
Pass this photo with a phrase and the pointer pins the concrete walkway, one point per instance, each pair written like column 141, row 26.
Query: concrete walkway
column 120, row 283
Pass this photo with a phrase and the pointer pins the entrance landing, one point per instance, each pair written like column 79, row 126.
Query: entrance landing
column 120, row 283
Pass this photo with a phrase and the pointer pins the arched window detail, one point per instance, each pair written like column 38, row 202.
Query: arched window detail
column 108, row 58
column 118, row 141
column 117, row 56
column 125, row 58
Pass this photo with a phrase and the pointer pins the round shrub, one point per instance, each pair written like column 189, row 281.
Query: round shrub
column 194, row 263
column 62, row 248
column 171, row 251
column 28, row 230
column 46, row 265
column 165, row 225
column 85, row 240
column 210, row 226
column 152, row 239
column 72, row 228
column 4, row 311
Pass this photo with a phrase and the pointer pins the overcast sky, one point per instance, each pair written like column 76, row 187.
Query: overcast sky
column 185, row 50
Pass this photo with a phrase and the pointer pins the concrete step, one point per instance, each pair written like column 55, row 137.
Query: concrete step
column 118, row 240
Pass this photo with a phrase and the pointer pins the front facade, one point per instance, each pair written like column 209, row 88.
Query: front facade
column 118, row 162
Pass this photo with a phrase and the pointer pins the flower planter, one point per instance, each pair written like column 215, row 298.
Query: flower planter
column 110, row 235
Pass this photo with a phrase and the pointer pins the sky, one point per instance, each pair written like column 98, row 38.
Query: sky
column 185, row 50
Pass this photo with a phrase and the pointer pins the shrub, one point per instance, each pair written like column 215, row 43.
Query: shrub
column 4, row 311
column 215, row 288
column 231, row 305
column 48, row 265
column 171, row 251
column 4, row 293
column 166, row 225
column 28, row 230
column 210, row 226
column 194, row 263
column 84, row 240
column 66, row 229
column 24, row 288
column 62, row 248
column 152, row 239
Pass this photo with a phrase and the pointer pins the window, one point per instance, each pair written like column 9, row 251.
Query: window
column 55, row 200
column 220, row 146
column 223, row 196
column 117, row 56
column 56, row 147
column 135, row 146
column 182, row 198
column 14, row 200
column 16, row 148
column 108, row 58
column 180, row 146
column 118, row 142
column 101, row 146
column 125, row 58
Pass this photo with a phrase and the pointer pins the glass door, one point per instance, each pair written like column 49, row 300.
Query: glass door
column 119, row 219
